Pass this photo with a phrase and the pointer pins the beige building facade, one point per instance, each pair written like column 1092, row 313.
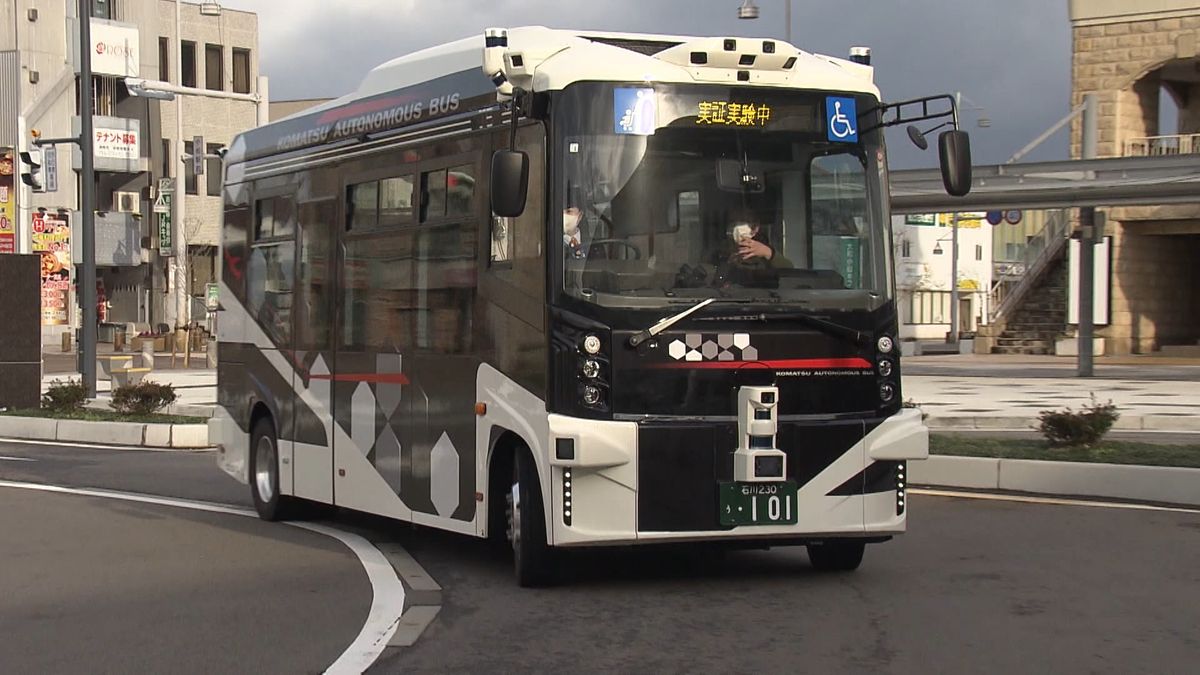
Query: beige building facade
column 1141, row 60
column 134, row 148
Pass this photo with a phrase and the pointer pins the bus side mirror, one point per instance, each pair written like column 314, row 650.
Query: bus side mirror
column 510, row 182
column 954, row 149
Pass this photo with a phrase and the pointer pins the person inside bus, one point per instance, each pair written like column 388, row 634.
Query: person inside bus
column 572, row 239
column 750, row 246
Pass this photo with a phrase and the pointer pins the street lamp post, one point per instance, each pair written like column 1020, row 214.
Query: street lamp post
column 87, row 204
column 749, row 10
column 182, row 304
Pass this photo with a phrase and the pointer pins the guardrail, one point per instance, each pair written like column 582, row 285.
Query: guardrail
column 1152, row 146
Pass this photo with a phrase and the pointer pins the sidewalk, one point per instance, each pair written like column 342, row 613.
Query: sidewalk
column 196, row 388
column 1008, row 392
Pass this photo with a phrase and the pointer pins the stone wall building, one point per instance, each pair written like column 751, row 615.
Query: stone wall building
column 1140, row 59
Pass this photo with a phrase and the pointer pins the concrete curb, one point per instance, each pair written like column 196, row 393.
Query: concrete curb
column 1159, row 484
column 132, row 434
column 1011, row 423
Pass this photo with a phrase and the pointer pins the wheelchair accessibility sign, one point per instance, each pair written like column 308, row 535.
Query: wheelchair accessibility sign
column 842, row 115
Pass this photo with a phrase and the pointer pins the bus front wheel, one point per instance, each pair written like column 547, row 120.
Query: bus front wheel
column 836, row 556
column 264, row 473
column 526, row 525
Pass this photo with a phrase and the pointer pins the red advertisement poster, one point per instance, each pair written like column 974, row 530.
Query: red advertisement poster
column 52, row 239
column 8, row 203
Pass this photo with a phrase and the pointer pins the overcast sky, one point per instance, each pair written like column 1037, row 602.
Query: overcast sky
column 1011, row 57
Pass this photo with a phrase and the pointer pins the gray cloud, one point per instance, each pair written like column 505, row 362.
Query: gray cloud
column 1012, row 57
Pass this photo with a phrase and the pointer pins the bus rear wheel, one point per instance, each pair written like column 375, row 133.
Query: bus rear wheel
column 836, row 556
column 264, row 474
column 526, row 526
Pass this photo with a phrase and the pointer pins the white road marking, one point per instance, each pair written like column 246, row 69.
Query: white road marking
column 96, row 446
column 4, row 458
column 387, row 593
column 1055, row 501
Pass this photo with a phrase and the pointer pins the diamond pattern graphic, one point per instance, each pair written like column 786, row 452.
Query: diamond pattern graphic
column 362, row 418
column 725, row 347
column 677, row 349
column 443, row 476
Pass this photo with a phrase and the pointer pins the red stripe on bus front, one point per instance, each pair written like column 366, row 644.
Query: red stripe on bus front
column 377, row 378
column 778, row 364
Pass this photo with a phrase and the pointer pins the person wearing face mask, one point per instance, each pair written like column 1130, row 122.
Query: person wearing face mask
column 572, row 244
column 751, row 246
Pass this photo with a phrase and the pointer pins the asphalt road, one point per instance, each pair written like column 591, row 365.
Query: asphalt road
column 979, row 586
column 97, row 585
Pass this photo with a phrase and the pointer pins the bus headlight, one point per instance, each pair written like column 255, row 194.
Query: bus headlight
column 886, row 392
column 885, row 344
column 885, row 368
column 591, row 344
column 591, row 369
column 591, row 395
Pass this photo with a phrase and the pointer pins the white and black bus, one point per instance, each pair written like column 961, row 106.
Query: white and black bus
column 571, row 288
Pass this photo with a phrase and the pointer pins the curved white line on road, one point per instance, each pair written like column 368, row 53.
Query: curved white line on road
column 387, row 593
column 1053, row 501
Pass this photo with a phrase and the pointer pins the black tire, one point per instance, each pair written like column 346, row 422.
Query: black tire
column 836, row 556
column 526, row 525
column 264, row 487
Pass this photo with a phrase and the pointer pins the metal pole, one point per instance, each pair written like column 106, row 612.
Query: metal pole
column 263, row 105
column 789, row 21
column 954, row 279
column 87, row 202
column 182, row 308
column 1087, row 248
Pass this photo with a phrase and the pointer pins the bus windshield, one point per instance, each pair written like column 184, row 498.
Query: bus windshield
column 675, row 193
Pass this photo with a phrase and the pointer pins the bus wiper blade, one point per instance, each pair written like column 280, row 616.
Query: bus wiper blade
column 847, row 333
column 666, row 322
column 829, row 327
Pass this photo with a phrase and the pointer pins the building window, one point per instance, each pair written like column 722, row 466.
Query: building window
column 978, row 252
column 905, row 249
column 102, row 9
column 166, row 158
column 241, row 70
column 187, row 62
column 214, row 68
column 190, row 183
column 212, row 170
column 929, row 307
column 164, row 59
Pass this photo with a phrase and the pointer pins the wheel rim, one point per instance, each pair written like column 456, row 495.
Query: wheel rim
column 514, row 516
column 264, row 455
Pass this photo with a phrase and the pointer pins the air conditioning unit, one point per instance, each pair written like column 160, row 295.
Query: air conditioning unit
column 127, row 202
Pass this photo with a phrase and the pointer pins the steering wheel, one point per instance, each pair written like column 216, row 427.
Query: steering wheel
column 604, row 243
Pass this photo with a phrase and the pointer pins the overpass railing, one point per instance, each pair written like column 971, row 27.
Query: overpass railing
column 1040, row 250
column 1150, row 146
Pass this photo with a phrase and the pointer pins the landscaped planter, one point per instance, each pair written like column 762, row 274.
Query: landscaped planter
column 133, row 434
column 1165, row 484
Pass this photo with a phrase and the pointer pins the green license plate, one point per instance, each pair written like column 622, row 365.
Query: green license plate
column 758, row 503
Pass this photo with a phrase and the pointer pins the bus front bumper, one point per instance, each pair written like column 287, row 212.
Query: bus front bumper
column 622, row 483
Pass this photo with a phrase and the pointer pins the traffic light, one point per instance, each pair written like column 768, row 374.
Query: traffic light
column 31, row 169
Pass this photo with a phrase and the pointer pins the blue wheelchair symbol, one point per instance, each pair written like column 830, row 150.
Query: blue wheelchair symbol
column 842, row 114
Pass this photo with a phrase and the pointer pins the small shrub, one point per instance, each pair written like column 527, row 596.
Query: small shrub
column 1079, row 429
column 143, row 398
column 65, row 397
